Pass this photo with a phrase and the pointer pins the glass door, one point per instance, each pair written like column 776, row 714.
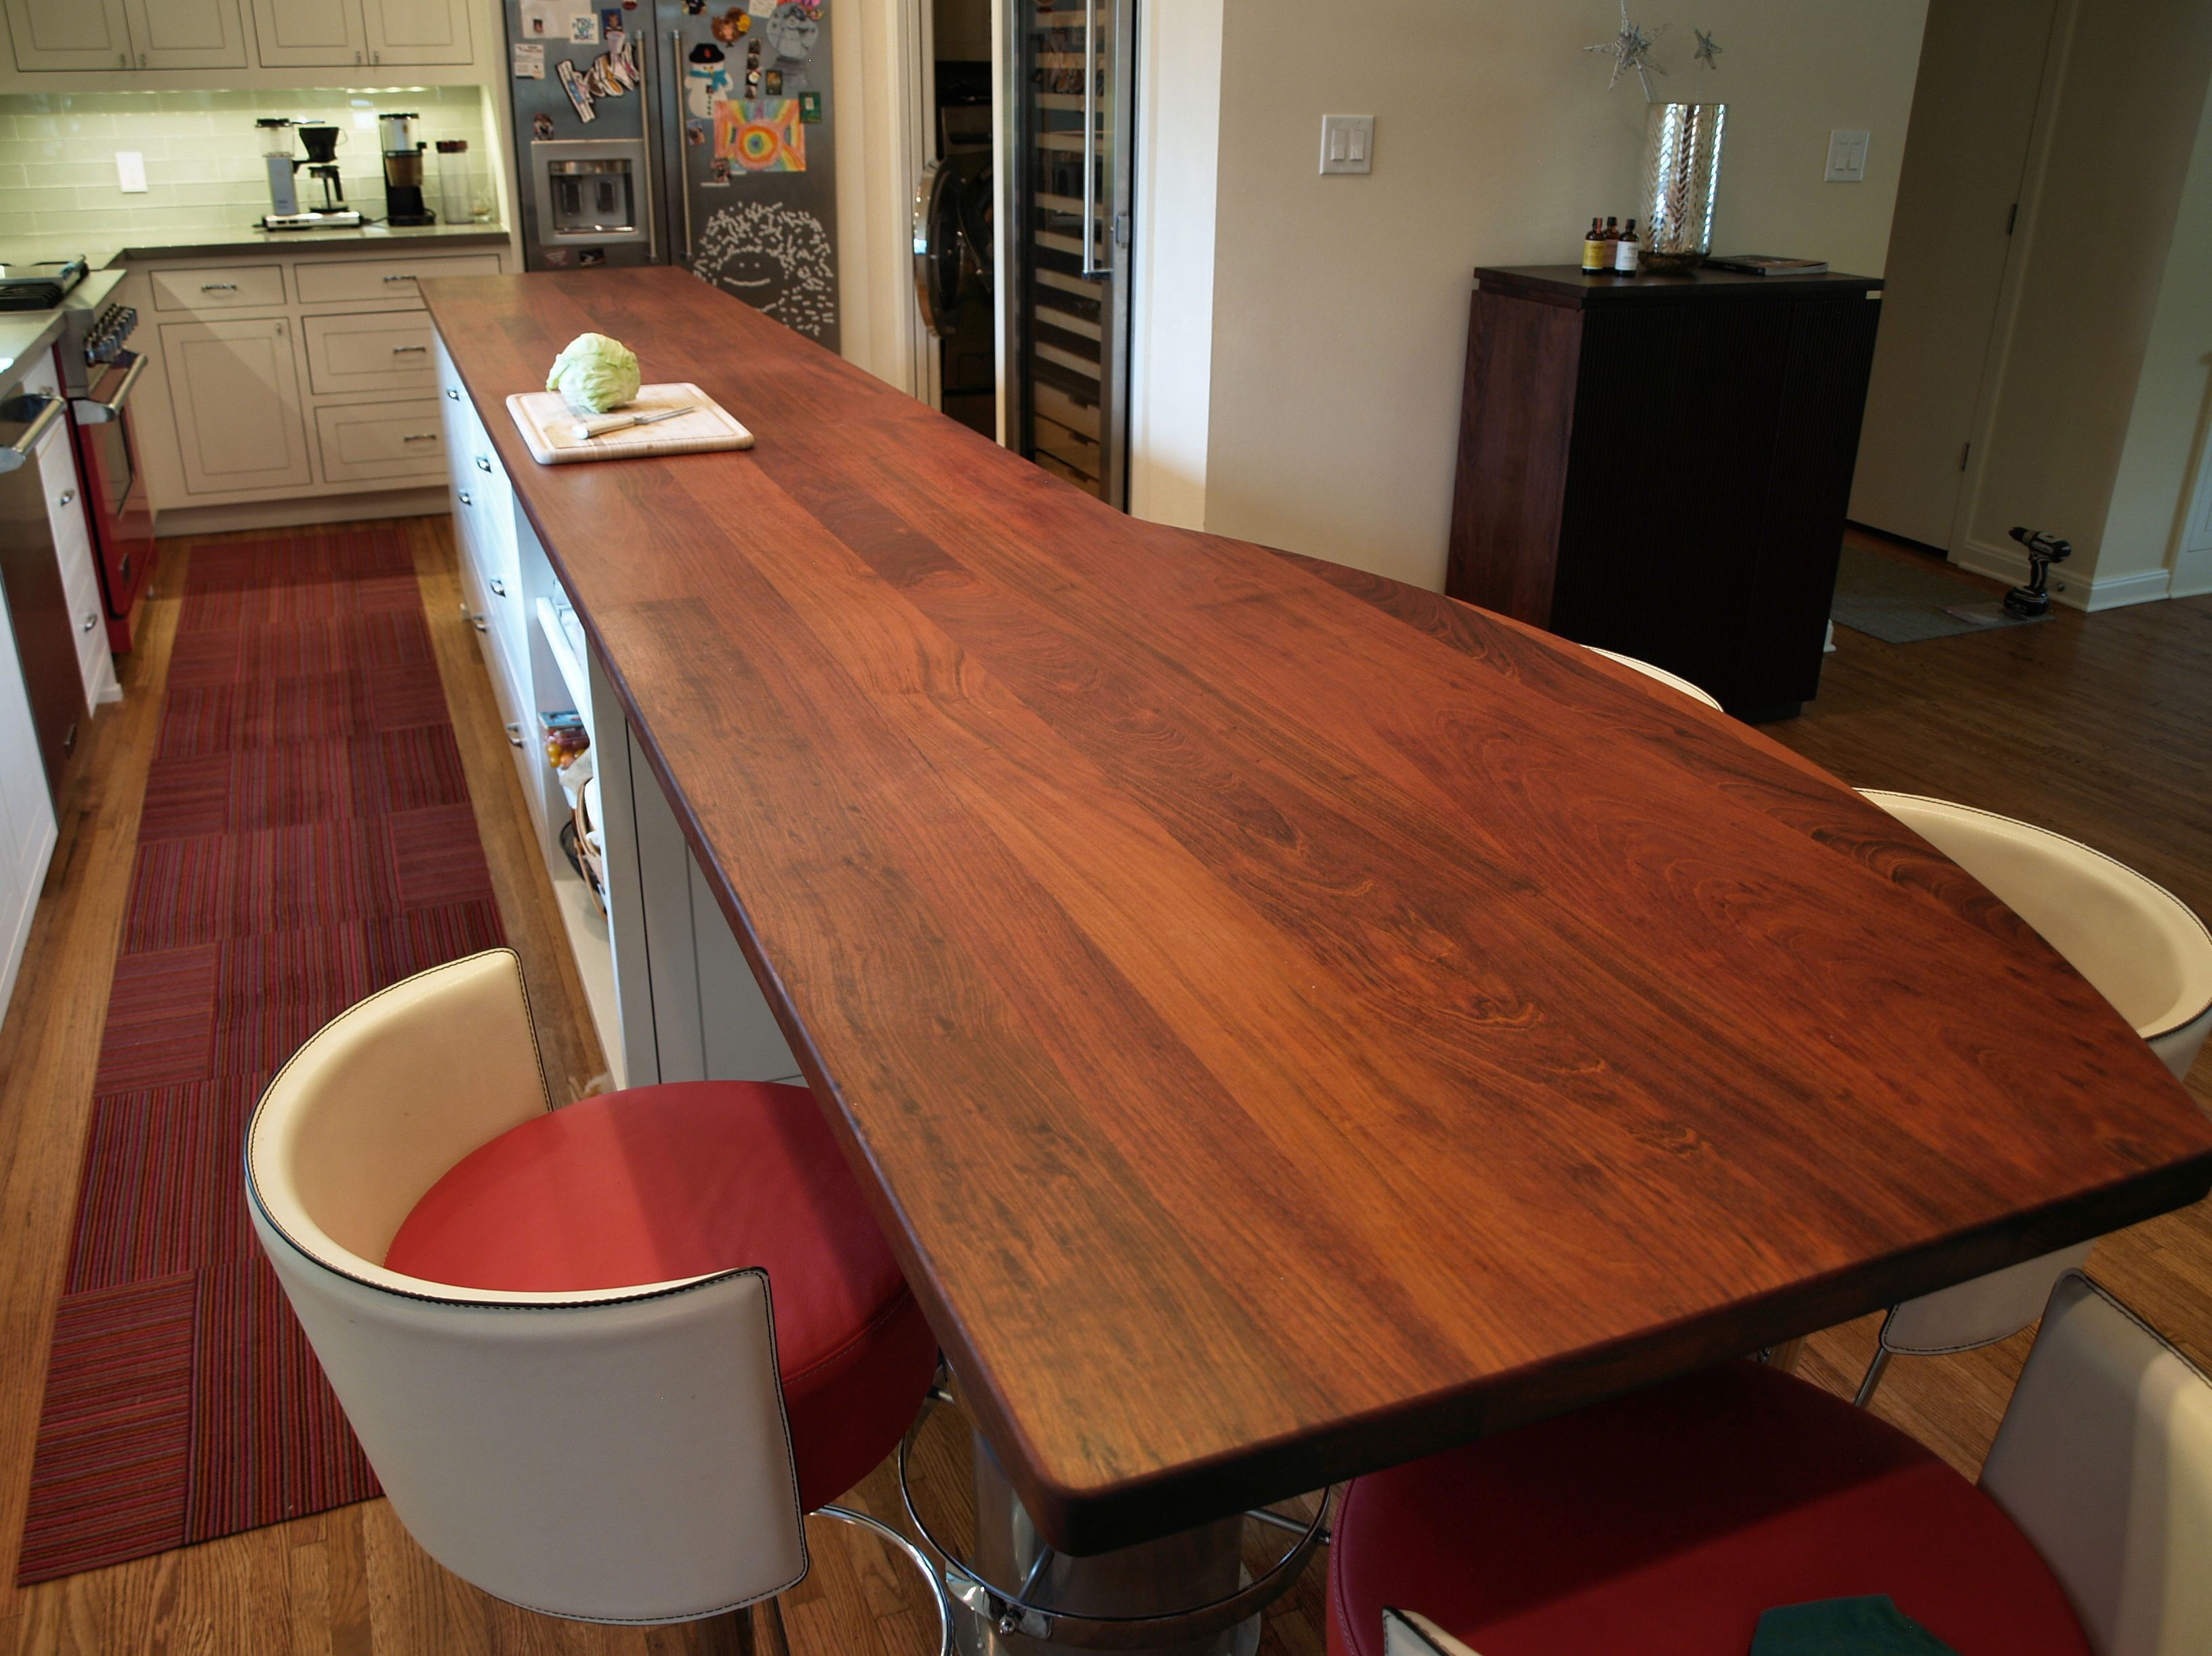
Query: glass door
column 1068, row 140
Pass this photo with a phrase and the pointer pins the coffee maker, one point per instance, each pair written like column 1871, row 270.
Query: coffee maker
column 321, row 140
column 403, row 170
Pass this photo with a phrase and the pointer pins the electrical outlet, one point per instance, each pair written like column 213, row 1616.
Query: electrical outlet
column 1847, row 153
column 130, row 172
column 1347, row 143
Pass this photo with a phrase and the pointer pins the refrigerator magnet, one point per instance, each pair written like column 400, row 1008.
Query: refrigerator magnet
column 694, row 135
column 610, row 20
column 809, row 107
column 579, row 94
column 584, row 29
column 694, row 8
column 541, row 124
column 529, row 60
column 772, row 82
column 730, row 25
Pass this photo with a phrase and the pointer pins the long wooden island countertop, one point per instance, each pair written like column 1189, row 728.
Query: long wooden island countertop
column 1287, row 1022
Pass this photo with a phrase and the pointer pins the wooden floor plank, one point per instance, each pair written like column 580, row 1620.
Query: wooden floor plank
column 2093, row 725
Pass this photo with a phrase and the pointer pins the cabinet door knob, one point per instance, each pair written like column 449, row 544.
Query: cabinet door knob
column 482, row 464
column 498, row 588
column 69, row 497
column 466, row 499
column 91, row 621
column 477, row 621
column 452, row 395
column 514, row 736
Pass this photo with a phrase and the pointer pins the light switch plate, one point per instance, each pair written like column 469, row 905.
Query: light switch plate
column 1847, row 153
column 130, row 172
column 1347, row 143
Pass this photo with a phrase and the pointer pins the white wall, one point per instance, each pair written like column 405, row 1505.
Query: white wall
column 1340, row 305
column 877, row 79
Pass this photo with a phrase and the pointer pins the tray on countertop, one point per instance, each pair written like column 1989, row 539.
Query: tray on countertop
column 544, row 421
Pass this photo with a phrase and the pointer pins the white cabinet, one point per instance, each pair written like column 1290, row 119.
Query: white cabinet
column 126, row 35
column 417, row 31
column 70, row 34
column 235, row 396
column 309, row 34
column 383, row 350
column 329, row 33
column 360, row 441
column 185, row 34
column 72, row 532
column 27, row 812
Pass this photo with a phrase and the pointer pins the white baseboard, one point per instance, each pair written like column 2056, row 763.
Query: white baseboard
column 2010, row 564
column 303, row 511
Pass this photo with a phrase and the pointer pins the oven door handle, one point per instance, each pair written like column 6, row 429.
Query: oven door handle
column 13, row 455
column 89, row 411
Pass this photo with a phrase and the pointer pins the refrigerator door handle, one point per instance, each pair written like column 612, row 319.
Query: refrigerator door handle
column 683, row 157
column 1092, row 270
column 645, row 182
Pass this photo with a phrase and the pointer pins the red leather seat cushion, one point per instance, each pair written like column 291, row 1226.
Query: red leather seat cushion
column 684, row 1180
column 1662, row 1523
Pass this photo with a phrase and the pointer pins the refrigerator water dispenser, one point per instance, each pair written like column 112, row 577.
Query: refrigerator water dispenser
column 589, row 189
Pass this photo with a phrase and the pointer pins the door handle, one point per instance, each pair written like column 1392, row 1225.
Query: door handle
column 49, row 415
column 90, row 413
column 1092, row 270
column 682, row 168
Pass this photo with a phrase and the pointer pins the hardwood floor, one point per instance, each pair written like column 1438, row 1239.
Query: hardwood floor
column 2096, row 726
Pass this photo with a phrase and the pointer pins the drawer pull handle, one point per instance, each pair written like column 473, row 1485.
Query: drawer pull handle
column 466, row 499
column 69, row 498
column 218, row 287
column 477, row 621
column 498, row 588
column 482, row 464
column 452, row 395
column 402, row 350
column 420, row 437
column 91, row 621
column 399, row 278
column 514, row 736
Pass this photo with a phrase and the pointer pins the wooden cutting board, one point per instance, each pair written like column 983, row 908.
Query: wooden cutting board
column 547, row 424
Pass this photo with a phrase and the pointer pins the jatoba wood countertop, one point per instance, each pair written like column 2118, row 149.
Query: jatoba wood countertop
column 1288, row 1022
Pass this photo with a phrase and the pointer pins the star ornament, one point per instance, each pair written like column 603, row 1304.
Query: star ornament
column 1709, row 50
column 1630, row 51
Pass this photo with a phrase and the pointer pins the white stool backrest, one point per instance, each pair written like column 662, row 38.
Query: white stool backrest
column 1980, row 1311
column 618, row 1455
column 1674, row 680
column 2141, row 947
column 2105, row 1461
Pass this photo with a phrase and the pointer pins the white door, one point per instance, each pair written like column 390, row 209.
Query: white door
column 235, row 394
column 27, row 812
column 186, row 33
column 69, row 33
column 417, row 30
column 309, row 34
column 1973, row 109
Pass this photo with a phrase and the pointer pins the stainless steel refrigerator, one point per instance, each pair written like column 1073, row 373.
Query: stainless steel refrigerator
column 678, row 132
column 1067, row 132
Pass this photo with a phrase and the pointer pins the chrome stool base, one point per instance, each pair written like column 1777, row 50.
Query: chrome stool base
column 1193, row 1593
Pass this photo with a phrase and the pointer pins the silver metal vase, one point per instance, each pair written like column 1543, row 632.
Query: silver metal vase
column 1681, row 179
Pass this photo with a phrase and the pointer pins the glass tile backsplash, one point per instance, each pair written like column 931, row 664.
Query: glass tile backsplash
column 203, row 169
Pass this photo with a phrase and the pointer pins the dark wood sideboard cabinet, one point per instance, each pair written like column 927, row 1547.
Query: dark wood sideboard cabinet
column 1659, row 465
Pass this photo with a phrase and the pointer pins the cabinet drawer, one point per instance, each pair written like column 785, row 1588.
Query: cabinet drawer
column 219, row 287
column 324, row 281
column 382, row 439
column 384, row 350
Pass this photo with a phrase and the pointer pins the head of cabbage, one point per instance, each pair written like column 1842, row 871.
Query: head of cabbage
column 594, row 373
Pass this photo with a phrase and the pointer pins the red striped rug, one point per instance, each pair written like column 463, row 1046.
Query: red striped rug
column 307, row 839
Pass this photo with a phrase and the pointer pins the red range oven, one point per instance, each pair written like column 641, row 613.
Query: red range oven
column 99, row 375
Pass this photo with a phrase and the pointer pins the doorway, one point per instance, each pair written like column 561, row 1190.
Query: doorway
column 1981, row 73
column 955, row 239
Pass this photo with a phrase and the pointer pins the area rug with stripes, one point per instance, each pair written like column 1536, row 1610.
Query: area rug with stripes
column 307, row 838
